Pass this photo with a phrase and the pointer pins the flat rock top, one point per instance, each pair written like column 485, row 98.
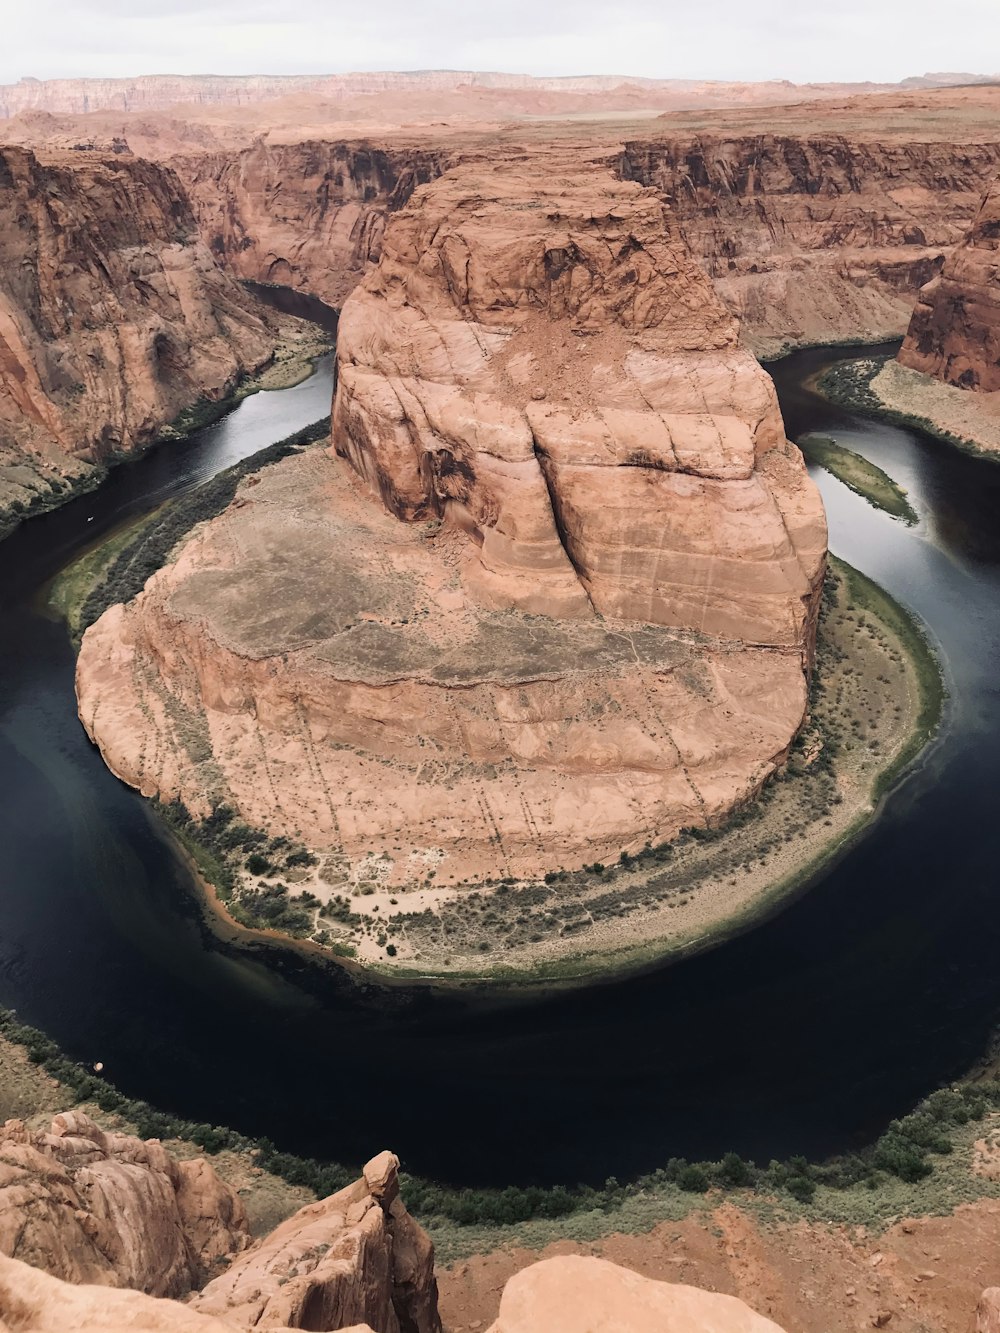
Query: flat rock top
column 279, row 573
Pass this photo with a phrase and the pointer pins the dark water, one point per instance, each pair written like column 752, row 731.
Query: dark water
column 805, row 1035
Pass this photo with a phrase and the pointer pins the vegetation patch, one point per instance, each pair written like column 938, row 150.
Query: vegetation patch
column 859, row 475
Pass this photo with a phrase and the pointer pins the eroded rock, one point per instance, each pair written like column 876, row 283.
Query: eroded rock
column 954, row 333
column 572, row 1294
column 100, row 1207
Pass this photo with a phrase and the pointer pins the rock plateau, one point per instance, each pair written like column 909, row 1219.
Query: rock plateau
column 553, row 594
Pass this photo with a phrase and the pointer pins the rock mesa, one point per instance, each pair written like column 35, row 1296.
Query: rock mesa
column 552, row 596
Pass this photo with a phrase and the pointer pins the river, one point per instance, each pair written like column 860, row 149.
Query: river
column 805, row 1035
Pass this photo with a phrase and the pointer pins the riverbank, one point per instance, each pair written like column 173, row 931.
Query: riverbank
column 858, row 475
column 298, row 348
column 880, row 386
column 877, row 696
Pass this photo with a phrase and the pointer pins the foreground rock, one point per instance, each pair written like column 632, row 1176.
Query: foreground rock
column 113, row 317
column 356, row 1257
column 593, row 623
column 97, row 1207
column 573, row 1294
column 91, row 1207
column 954, row 333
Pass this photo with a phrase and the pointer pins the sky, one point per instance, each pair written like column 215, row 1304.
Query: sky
column 841, row 40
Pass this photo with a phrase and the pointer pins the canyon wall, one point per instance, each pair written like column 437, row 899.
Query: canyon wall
column 114, row 316
column 817, row 237
column 807, row 237
column 954, row 333
column 552, row 597
column 306, row 215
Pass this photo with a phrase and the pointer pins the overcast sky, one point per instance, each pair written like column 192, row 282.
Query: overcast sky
column 884, row 40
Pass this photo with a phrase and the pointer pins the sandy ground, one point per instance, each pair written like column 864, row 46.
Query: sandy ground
column 921, row 1275
column 973, row 417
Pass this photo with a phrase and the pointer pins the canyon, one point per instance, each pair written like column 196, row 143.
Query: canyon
column 551, row 592
column 114, row 318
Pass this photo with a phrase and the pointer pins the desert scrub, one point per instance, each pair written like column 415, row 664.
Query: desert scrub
column 859, row 475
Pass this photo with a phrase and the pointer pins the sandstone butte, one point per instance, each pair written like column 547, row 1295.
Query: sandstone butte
column 551, row 595
column 114, row 316
column 97, row 1228
column 954, row 333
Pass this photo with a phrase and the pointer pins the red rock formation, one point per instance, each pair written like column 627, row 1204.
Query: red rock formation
column 90, row 1206
column 954, row 333
column 593, row 627
column 817, row 237
column 113, row 314
column 988, row 1311
column 98, row 1208
column 537, row 359
column 356, row 1257
column 573, row 1294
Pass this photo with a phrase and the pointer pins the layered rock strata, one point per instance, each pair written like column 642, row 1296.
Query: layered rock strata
column 817, row 237
column 954, row 333
column 553, row 597
column 305, row 215
column 113, row 316
column 107, row 1208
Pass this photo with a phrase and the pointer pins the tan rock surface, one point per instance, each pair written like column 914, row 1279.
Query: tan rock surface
column 602, row 642
column 581, row 1295
column 988, row 1311
column 113, row 315
column 108, row 1208
column 355, row 1257
column 954, row 333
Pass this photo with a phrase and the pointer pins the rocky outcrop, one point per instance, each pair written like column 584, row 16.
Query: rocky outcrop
column 817, row 237
column 357, row 1257
column 537, row 360
column 592, row 625
column 113, row 316
column 108, row 1208
column 954, row 333
column 305, row 215
column 988, row 1311
column 570, row 1294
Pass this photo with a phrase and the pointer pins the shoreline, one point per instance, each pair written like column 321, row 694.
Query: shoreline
column 855, row 385
column 292, row 361
column 765, row 896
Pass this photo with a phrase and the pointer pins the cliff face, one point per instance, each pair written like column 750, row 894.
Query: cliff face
column 591, row 626
column 813, row 237
column 954, row 333
column 113, row 315
column 305, row 215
